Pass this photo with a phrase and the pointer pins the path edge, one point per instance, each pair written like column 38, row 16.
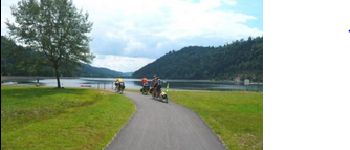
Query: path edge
column 115, row 136
column 211, row 129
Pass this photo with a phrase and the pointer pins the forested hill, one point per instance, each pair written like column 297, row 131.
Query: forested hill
column 87, row 70
column 21, row 61
column 241, row 59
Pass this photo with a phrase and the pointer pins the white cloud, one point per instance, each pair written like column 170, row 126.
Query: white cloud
column 150, row 28
column 134, row 22
column 134, row 45
column 118, row 63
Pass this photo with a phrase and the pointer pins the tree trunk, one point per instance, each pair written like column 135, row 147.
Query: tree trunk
column 58, row 77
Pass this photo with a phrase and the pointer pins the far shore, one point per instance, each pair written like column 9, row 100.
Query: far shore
column 11, row 78
column 21, row 78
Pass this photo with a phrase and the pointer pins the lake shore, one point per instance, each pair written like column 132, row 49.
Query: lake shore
column 107, row 83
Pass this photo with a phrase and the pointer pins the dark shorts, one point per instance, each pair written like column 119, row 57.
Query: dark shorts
column 146, row 87
column 158, row 88
column 121, row 85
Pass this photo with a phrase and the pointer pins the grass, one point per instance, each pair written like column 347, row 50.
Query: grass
column 50, row 118
column 236, row 117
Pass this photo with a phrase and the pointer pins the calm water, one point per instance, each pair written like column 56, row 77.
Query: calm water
column 135, row 84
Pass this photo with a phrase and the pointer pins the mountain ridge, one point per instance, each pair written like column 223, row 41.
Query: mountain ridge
column 239, row 60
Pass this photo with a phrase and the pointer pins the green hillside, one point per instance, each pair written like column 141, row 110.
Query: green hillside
column 90, row 71
column 243, row 59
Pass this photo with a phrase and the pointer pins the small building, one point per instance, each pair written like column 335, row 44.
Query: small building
column 246, row 82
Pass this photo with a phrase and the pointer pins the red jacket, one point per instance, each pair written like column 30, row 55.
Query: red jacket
column 144, row 81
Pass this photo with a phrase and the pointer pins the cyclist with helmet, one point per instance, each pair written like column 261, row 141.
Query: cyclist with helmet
column 144, row 85
column 119, row 85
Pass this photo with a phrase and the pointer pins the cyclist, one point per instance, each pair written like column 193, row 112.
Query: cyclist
column 120, row 85
column 157, row 87
column 145, row 86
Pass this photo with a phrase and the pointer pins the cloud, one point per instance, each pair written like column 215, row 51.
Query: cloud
column 119, row 63
column 5, row 14
column 157, row 26
column 151, row 28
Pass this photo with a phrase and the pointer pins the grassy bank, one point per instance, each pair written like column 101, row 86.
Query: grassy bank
column 49, row 118
column 237, row 117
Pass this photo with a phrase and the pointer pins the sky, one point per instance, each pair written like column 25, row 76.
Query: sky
column 127, row 35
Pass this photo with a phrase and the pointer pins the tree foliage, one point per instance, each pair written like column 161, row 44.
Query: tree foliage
column 54, row 27
column 23, row 61
column 19, row 60
column 241, row 59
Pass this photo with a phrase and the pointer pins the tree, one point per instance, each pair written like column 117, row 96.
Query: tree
column 56, row 28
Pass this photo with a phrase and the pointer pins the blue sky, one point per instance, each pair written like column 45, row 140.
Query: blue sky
column 130, row 34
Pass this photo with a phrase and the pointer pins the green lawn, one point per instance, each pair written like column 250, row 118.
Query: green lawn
column 237, row 117
column 50, row 118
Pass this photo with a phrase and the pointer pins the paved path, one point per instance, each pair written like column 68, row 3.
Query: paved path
column 161, row 126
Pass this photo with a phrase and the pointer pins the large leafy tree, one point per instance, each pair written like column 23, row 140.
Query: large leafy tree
column 54, row 27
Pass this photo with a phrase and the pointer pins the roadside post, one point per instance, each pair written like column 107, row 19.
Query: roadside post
column 37, row 81
column 167, row 88
column 246, row 83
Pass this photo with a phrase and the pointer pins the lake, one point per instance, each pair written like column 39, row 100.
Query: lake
column 107, row 83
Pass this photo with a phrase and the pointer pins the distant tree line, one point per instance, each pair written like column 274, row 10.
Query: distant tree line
column 242, row 59
column 18, row 60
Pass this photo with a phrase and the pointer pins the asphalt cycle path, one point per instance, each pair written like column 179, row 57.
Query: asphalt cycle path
column 163, row 126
